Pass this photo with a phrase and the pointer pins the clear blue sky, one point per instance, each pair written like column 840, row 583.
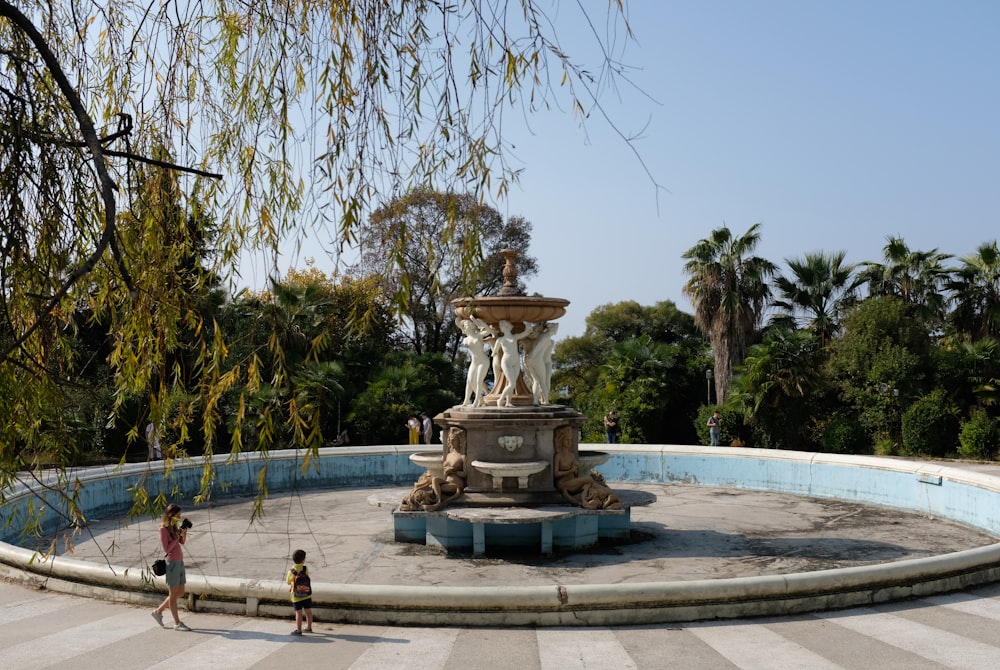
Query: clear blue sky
column 833, row 124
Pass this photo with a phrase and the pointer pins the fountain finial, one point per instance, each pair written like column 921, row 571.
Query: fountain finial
column 509, row 273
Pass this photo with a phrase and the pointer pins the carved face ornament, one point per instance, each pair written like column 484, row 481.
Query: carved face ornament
column 510, row 442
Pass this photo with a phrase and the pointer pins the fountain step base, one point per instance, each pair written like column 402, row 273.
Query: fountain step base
column 543, row 528
column 512, row 499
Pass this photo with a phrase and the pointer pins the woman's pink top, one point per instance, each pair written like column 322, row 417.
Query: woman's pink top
column 171, row 545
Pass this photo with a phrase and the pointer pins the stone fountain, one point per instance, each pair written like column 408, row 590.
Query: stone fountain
column 510, row 469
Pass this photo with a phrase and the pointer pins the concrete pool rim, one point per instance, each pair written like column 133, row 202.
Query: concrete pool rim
column 934, row 488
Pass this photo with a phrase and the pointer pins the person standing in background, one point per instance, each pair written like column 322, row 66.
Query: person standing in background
column 611, row 427
column 413, row 425
column 153, row 442
column 428, row 427
column 714, row 428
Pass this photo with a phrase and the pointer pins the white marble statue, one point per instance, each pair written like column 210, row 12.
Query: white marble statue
column 475, row 339
column 538, row 361
column 507, row 345
column 496, row 354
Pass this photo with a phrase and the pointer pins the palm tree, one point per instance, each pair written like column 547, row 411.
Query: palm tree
column 291, row 337
column 779, row 381
column 821, row 287
column 982, row 361
column 915, row 276
column 975, row 289
column 729, row 289
column 782, row 367
column 638, row 373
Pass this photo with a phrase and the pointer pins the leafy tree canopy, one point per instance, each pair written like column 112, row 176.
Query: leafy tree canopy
column 647, row 362
column 440, row 246
column 274, row 117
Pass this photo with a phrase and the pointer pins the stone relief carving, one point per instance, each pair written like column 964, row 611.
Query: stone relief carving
column 430, row 492
column 510, row 442
column 588, row 491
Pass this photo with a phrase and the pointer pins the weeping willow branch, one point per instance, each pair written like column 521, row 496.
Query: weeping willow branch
column 107, row 185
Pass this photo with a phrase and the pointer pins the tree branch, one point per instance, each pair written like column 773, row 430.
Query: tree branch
column 108, row 186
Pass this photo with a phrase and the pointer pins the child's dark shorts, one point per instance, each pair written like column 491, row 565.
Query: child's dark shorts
column 303, row 605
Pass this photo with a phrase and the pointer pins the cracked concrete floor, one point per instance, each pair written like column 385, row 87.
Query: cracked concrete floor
column 689, row 532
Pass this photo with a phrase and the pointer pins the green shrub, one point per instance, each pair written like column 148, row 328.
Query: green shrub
column 845, row 435
column 978, row 437
column 886, row 447
column 930, row 426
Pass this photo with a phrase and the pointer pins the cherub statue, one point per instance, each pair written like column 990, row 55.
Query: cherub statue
column 475, row 341
column 538, row 361
column 510, row 361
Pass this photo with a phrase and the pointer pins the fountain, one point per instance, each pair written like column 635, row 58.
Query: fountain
column 510, row 471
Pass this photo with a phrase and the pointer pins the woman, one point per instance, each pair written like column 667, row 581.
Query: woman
column 173, row 534
column 413, row 425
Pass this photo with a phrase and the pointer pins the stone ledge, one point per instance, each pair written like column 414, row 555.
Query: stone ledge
column 476, row 501
column 513, row 515
column 968, row 497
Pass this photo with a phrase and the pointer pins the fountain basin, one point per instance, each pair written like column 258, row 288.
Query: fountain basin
column 516, row 309
column 429, row 460
column 591, row 459
column 520, row 469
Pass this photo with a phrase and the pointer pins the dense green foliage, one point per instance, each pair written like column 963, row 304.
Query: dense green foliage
column 780, row 388
column 647, row 363
column 146, row 147
column 844, row 435
column 405, row 385
column 890, row 358
column 874, row 375
column 131, row 185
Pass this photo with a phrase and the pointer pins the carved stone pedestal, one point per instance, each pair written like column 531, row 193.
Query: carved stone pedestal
column 523, row 439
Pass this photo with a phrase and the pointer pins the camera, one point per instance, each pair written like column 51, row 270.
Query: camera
column 186, row 523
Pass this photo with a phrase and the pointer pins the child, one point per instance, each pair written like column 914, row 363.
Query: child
column 301, row 592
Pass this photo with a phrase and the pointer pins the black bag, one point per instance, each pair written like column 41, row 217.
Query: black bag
column 159, row 567
column 302, row 585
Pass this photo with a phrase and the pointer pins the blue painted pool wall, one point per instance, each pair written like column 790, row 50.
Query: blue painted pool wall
column 108, row 491
column 955, row 500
